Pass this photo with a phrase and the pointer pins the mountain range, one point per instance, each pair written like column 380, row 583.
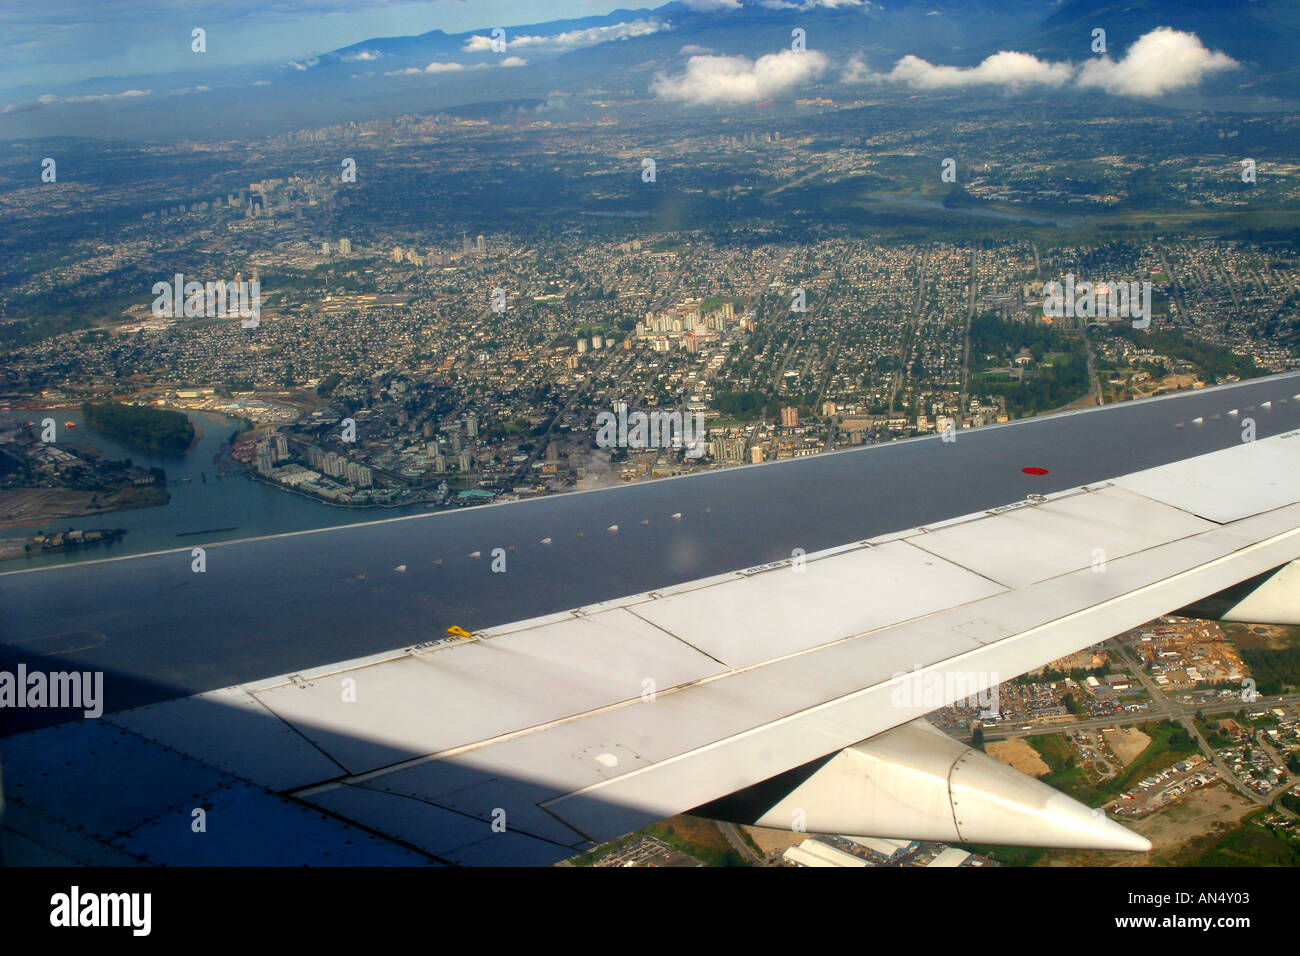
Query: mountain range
column 674, row 51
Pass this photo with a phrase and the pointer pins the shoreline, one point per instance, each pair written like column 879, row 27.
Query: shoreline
column 76, row 513
column 324, row 501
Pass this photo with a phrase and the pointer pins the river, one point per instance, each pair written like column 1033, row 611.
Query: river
column 249, row 508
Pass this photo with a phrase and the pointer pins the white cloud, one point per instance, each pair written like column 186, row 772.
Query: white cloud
column 434, row 67
column 1009, row 69
column 594, row 35
column 49, row 99
column 809, row 4
column 857, row 71
column 694, row 49
column 1159, row 62
column 711, row 6
column 573, row 39
column 362, row 55
column 738, row 79
column 514, row 61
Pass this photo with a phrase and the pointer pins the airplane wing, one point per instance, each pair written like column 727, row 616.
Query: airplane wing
column 639, row 651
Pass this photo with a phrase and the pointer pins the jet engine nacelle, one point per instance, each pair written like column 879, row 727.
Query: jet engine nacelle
column 915, row 782
column 1269, row 598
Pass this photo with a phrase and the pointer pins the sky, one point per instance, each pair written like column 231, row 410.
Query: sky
column 48, row 45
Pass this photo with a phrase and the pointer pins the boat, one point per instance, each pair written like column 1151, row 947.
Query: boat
column 69, row 424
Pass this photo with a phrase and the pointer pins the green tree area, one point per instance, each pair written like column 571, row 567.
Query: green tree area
column 1209, row 728
column 1254, row 843
column 328, row 384
column 1273, row 669
column 1050, row 676
column 1170, row 743
column 994, row 344
column 745, row 405
column 1214, row 361
column 693, row 836
column 152, row 429
column 56, row 312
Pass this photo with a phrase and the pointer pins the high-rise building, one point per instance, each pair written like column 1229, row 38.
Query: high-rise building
column 597, row 342
column 324, row 248
column 471, row 425
column 397, row 253
column 582, row 346
column 466, row 461
column 281, row 447
column 345, row 246
column 480, row 246
column 790, row 417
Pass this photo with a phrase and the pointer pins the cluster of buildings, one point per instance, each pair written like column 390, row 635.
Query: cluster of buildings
column 1183, row 653
column 327, row 474
column 1161, row 789
column 856, row 852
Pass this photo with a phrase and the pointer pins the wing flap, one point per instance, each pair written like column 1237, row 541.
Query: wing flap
column 550, row 722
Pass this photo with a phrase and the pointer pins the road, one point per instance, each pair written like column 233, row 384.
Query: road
column 738, row 843
column 1162, row 708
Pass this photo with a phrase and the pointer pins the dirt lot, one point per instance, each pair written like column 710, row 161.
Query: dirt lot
column 1182, row 830
column 1127, row 743
column 1273, row 637
column 40, row 506
column 1018, row 754
column 775, row 841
